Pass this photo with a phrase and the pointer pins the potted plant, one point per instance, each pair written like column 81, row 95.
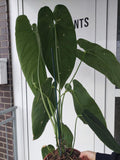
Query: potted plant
column 52, row 44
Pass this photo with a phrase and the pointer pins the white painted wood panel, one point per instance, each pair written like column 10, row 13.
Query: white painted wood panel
column 111, row 45
column 100, row 38
column 19, row 85
column 17, row 81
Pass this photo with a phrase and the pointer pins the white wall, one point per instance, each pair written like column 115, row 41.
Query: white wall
column 97, row 31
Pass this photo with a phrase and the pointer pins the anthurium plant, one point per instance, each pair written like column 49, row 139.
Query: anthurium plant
column 52, row 44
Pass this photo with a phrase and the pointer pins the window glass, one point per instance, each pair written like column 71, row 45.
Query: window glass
column 118, row 33
column 117, row 119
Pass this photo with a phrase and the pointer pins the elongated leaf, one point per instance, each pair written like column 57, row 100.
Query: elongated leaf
column 28, row 51
column 46, row 150
column 57, row 31
column 101, row 131
column 39, row 114
column 82, row 101
column 101, row 59
column 67, row 136
column 39, row 117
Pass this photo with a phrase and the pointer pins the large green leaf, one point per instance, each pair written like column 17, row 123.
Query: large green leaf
column 27, row 41
column 67, row 136
column 46, row 150
column 39, row 117
column 57, row 32
column 101, row 59
column 101, row 131
column 39, row 114
column 82, row 101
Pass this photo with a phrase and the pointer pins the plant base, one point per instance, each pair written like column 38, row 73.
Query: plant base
column 69, row 154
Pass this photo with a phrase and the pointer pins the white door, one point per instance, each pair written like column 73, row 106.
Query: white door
column 90, row 19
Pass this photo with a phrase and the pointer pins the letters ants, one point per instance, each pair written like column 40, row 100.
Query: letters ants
column 80, row 23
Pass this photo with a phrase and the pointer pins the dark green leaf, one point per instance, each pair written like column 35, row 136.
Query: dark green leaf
column 83, row 101
column 101, row 131
column 100, row 59
column 39, row 114
column 46, row 150
column 47, row 87
column 39, row 117
column 28, row 51
column 59, row 21
column 67, row 136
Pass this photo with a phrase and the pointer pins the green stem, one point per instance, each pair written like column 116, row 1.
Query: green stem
column 58, row 71
column 76, row 72
column 61, row 112
column 40, row 55
column 59, row 105
column 75, row 132
column 51, row 109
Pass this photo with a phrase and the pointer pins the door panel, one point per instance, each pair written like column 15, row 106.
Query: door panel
column 111, row 45
column 79, row 10
column 100, row 38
